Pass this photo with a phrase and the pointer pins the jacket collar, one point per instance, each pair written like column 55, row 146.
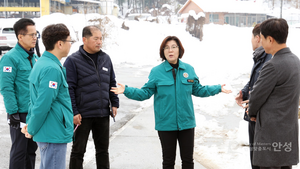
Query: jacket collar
column 30, row 52
column 84, row 53
column 168, row 67
column 258, row 53
column 282, row 51
column 22, row 51
column 51, row 56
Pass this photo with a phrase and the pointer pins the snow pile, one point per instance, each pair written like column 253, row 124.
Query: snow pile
column 167, row 6
column 196, row 16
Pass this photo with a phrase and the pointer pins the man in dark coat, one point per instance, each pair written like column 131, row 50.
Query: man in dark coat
column 259, row 57
column 90, row 76
column 274, row 101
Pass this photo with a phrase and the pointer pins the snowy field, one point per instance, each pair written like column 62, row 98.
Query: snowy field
column 223, row 57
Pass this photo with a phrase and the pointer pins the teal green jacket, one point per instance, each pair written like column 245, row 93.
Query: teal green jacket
column 50, row 116
column 173, row 105
column 14, row 84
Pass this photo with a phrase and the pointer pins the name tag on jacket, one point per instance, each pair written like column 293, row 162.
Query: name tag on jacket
column 104, row 68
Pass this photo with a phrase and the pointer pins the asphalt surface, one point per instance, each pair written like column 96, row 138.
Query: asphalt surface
column 136, row 145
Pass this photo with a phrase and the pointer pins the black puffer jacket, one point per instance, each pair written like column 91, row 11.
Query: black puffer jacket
column 89, row 84
column 260, row 57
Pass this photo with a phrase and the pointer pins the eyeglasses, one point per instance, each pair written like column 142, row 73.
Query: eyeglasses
column 172, row 47
column 71, row 41
column 33, row 35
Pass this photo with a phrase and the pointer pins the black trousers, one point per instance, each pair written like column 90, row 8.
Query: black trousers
column 100, row 130
column 283, row 167
column 168, row 140
column 22, row 152
column 251, row 131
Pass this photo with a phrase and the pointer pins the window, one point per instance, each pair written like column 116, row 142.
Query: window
column 230, row 19
column 213, row 17
column 8, row 30
column 249, row 21
column 227, row 20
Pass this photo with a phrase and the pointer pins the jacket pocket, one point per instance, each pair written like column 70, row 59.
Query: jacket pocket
column 25, row 69
column 66, row 84
column 258, row 121
column 63, row 120
column 23, row 73
column 187, row 86
column 166, row 93
column 165, row 88
column 66, row 89
column 81, row 99
column 165, row 83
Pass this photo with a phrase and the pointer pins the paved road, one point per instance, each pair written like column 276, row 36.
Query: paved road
column 137, row 146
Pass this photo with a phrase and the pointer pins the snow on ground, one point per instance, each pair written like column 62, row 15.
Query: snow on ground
column 223, row 57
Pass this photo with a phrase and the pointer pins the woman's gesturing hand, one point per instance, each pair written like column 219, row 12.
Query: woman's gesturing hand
column 225, row 90
column 118, row 90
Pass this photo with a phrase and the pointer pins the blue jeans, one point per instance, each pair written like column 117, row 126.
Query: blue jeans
column 53, row 155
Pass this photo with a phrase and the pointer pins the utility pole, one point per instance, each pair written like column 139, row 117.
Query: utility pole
column 5, row 9
column 281, row 9
column 22, row 6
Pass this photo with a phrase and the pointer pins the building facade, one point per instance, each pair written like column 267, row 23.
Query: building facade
column 37, row 8
column 237, row 13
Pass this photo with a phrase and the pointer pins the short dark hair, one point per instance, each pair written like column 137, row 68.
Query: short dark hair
column 54, row 33
column 256, row 30
column 276, row 28
column 163, row 45
column 87, row 31
column 20, row 26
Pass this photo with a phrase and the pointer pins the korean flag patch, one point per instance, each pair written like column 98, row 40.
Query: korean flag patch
column 7, row 69
column 53, row 85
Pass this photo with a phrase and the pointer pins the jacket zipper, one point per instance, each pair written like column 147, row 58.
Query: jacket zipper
column 174, row 76
column 257, row 64
column 95, row 69
column 29, row 58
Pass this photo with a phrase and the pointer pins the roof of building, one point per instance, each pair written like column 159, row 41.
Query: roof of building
column 229, row 6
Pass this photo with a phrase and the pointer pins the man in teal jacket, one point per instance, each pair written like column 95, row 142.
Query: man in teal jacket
column 50, row 117
column 14, row 85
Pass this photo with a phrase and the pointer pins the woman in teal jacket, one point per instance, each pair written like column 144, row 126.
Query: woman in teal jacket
column 173, row 83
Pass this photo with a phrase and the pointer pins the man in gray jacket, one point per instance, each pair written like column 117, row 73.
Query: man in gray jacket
column 274, row 101
column 260, row 57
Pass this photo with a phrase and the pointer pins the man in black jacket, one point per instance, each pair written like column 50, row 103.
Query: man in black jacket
column 90, row 76
column 259, row 57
